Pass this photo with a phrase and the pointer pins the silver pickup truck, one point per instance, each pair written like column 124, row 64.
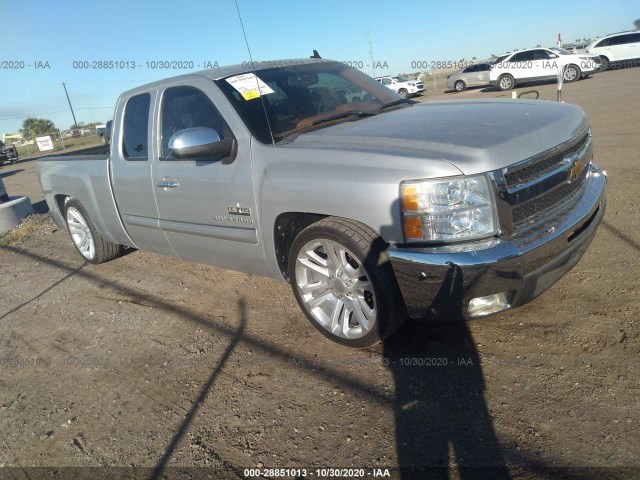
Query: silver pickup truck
column 373, row 207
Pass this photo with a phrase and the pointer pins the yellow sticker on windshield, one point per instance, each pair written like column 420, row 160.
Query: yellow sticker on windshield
column 249, row 86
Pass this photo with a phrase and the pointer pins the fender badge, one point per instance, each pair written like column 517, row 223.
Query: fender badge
column 238, row 210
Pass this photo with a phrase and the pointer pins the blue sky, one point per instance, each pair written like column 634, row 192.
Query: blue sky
column 200, row 31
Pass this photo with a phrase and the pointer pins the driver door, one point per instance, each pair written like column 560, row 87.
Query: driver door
column 206, row 205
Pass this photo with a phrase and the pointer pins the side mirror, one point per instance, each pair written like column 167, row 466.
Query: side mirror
column 198, row 142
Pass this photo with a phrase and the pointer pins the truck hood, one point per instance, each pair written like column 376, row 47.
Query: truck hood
column 474, row 135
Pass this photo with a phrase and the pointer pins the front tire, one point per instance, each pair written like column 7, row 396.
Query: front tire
column 403, row 93
column 572, row 73
column 459, row 86
column 506, row 82
column 605, row 63
column 85, row 237
column 343, row 281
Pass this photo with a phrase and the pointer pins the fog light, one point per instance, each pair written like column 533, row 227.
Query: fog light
column 481, row 306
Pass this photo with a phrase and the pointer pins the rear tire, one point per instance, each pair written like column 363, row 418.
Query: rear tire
column 85, row 237
column 343, row 281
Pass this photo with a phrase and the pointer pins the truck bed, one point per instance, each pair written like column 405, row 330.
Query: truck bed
column 83, row 175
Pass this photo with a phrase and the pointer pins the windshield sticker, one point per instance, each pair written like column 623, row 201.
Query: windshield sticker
column 249, row 86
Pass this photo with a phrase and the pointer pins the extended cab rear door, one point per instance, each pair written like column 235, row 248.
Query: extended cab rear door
column 206, row 206
column 132, row 151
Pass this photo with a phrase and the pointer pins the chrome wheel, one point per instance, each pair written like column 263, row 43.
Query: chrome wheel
column 459, row 86
column 335, row 289
column 80, row 233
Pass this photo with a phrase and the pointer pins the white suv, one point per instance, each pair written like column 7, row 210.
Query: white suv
column 541, row 64
column 617, row 47
column 402, row 86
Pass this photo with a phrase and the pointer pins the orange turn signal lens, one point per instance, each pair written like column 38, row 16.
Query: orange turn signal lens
column 413, row 228
column 409, row 198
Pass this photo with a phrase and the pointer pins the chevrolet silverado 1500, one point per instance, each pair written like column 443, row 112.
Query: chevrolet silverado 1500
column 373, row 207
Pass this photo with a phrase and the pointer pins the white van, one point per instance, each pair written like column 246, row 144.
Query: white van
column 617, row 47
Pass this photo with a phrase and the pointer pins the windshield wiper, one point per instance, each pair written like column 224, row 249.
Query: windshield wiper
column 330, row 118
column 394, row 103
column 349, row 113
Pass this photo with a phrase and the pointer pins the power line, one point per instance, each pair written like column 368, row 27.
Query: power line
column 52, row 113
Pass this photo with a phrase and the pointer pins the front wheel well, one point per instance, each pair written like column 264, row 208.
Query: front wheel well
column 60, row 200
column 286, row 228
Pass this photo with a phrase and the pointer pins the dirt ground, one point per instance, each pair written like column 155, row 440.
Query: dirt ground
column 162, row 368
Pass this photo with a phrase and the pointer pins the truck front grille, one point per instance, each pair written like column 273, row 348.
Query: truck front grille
column 546, row 201
column 531, row 171
column 529, row 190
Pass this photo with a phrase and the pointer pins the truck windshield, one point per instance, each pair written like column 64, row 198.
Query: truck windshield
column 300, row 96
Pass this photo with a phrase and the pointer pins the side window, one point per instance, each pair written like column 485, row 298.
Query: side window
column 470, row 69
column 604, row 43
column 540, row 55
column 522, row 57
column 187, row 107
column 621, row 40
column 136, row 128
column 484, row 67
column 386, row 81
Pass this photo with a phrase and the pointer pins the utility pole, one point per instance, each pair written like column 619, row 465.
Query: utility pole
column 75, row 124
column 373, row 68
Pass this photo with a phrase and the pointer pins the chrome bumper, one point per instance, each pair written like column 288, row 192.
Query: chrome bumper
column 442, row 281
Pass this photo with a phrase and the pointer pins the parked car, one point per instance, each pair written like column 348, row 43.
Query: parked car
column 8, row 154
column 473, row 76
column 402, row 86
column 617, row 48
column 105, row 133
column 537, row 64
column 3, row 193
column 273, row 172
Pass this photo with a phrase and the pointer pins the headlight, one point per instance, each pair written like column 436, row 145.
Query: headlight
column 455, row 209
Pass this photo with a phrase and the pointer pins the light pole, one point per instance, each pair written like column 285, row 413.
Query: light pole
column 75, row 124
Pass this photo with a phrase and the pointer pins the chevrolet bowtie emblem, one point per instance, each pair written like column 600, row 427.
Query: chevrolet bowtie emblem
column 576, row 168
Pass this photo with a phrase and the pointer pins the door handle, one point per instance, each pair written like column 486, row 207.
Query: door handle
column 167, row 183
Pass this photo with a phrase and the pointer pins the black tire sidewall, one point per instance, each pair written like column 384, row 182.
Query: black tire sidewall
column 459, row 82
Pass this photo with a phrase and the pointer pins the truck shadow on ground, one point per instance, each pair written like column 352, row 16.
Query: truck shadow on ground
column 442, row 418
column 40, row 207
column 10, row 173
column 437, row 408
column 621, row 235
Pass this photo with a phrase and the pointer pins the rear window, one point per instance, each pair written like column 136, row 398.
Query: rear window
column 135, row 142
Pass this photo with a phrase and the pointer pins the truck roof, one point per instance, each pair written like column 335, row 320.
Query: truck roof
column 226, row 71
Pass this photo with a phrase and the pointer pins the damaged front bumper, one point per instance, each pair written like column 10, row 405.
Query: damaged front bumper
column 476, row 279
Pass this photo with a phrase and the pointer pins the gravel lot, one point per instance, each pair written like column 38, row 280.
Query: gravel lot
column 154, row 363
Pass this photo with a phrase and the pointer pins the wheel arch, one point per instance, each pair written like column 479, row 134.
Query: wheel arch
column 286, row 228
